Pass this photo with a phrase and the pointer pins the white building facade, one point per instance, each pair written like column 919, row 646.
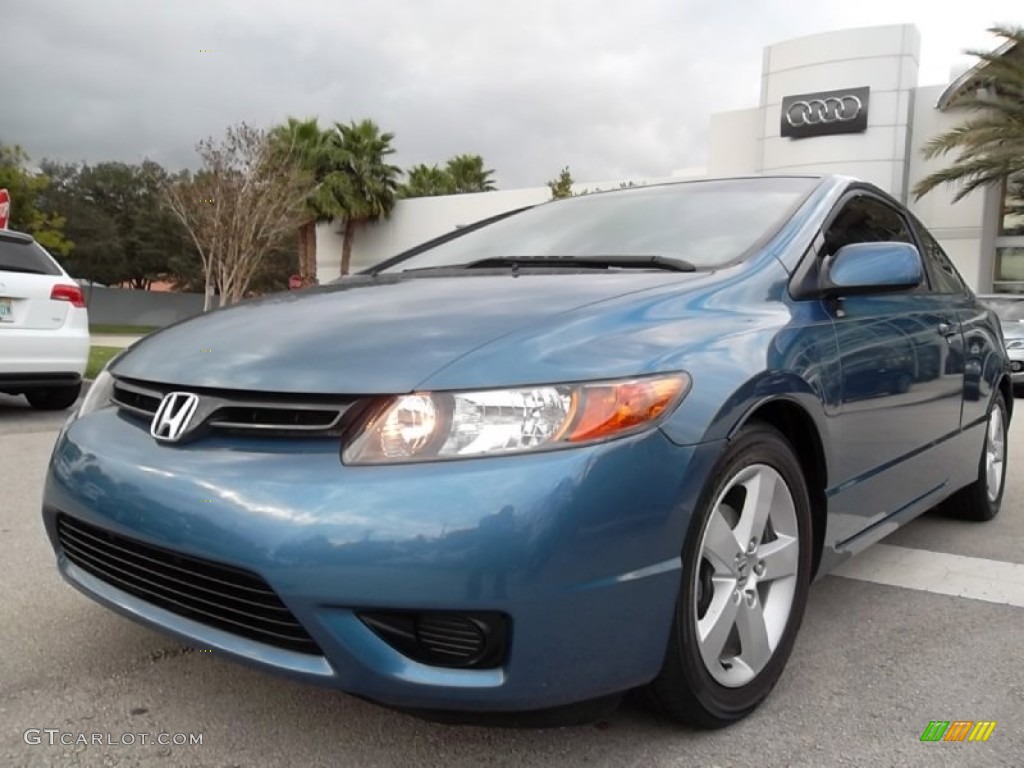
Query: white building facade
column 845, row 102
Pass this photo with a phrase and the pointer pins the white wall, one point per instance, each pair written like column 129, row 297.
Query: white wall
column 734, row 146
column 885, row 59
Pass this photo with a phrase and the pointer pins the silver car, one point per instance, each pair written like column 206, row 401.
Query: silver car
column 1010, row 308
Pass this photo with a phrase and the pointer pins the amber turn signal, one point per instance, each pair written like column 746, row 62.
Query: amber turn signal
column 606, row 410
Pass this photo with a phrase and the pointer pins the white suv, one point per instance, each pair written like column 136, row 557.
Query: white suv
column 44, row 325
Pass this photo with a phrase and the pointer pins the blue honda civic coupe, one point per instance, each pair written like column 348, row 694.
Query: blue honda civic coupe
column 596, row 445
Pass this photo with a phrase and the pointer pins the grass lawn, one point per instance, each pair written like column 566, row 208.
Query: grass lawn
column 98, row 357
column 131, row 330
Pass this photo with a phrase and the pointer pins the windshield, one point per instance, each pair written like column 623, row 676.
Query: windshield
column 705, row 223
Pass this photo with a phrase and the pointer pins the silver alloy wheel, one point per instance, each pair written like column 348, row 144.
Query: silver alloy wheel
column 747, row 574
column 995, row 453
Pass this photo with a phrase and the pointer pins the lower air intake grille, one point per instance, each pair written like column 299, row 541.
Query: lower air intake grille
column 220, row 596
column 456, row 637
column 461, row 640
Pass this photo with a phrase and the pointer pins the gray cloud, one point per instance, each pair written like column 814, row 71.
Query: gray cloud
column 612, row 89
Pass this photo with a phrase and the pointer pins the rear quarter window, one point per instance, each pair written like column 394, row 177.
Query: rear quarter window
column 19, row 256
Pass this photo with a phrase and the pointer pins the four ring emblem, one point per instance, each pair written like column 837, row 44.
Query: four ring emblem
column 831, row 109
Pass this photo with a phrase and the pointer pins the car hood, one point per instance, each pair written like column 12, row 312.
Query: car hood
column 365, row 335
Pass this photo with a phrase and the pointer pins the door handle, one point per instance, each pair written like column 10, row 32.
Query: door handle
column 947, row 330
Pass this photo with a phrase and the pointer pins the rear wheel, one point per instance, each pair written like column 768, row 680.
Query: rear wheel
column 55, row 398
column 981, row 500
column 746, row 569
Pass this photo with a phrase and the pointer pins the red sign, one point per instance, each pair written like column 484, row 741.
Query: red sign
column 295, row 282
column 5, row 208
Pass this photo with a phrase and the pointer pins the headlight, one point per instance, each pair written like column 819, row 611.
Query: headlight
column 428, row 426
column 98, row 395
column 1015, row 344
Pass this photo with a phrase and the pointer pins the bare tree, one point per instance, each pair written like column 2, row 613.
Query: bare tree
column 241, row 205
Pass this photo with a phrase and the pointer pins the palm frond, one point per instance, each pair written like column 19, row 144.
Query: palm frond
column 989, row 142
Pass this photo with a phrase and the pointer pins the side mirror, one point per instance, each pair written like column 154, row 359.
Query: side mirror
column 861, row 268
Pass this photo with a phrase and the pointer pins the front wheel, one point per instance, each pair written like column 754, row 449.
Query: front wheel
column 746, row 571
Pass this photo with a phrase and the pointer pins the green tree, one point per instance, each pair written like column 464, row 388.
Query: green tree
column 158, row 237
column 561, row 187
column 114, row 215
column 362, row 182
column 97, row 242
column 27, row 188
column 130, row 199
column 310, row 145
column 427, row 181
column 273, row 272
column 469, row 175
column 990, row 140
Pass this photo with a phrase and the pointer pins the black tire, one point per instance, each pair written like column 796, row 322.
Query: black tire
column 685, row 690
column 973, row 502
column 54, row 399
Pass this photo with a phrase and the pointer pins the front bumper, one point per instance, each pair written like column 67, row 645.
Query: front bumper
column 578, row 548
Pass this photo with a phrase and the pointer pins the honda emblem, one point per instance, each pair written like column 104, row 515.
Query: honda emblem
column 172, row 418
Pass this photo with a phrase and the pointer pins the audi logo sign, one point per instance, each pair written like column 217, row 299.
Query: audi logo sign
column 825, row 113
column 834, row 109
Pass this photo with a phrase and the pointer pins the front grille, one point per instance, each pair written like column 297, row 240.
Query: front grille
column 266, row 414
column 220, row 596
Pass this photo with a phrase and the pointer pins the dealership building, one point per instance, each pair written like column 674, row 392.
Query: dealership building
column 845, row 102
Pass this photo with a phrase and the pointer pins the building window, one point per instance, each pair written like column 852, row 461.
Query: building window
column 1012, row 208
column 1009, row 270
column 1009, row 267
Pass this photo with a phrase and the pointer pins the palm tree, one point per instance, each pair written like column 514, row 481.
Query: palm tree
column 469, row 175
column 309, row 144
column 427, row 181
column 991, row 140
column 364, row 185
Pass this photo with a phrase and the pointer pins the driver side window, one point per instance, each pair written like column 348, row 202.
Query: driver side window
column 868, row 220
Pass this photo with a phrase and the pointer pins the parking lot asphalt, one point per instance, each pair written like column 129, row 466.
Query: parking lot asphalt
column 873, row 665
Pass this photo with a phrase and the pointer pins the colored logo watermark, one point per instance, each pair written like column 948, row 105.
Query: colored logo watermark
column 958, row 730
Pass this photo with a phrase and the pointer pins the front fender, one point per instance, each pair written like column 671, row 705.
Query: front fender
column 735, row 376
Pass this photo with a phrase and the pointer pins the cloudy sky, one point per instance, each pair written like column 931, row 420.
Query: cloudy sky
column 613, row 89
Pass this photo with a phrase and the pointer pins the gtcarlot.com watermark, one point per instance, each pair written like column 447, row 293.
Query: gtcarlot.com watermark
column 55, row 737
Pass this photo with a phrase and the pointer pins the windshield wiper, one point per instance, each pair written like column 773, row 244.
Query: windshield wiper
column 628, row 261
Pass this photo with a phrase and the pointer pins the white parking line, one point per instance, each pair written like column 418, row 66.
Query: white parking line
column 976, row 578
